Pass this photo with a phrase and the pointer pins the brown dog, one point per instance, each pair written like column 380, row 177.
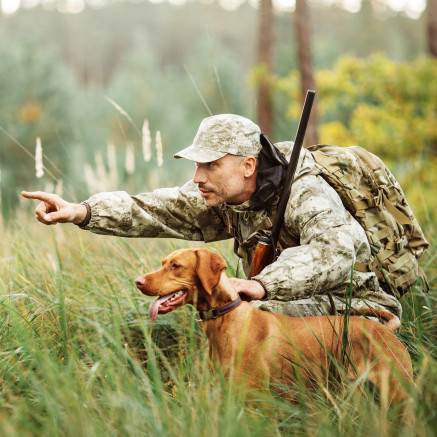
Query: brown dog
column 265, row 348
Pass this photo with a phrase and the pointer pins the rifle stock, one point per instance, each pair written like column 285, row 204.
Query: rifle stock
column 262, row 257
column 265, row 250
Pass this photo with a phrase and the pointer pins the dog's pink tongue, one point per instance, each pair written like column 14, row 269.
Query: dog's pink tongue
column 154, row 306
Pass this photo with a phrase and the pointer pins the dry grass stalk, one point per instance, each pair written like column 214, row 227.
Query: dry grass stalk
column 101, row 177
column 123, row 112
column 112, row 163
column 90, row 180
column 49, row 187
column 100, row 167
column 130, row 159
column 159, row 155
column 59, row 187
column 39, row 167
column 147, row 141
column 118, row 108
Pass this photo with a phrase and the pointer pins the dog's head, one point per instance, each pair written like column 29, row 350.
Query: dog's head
column 185, row 275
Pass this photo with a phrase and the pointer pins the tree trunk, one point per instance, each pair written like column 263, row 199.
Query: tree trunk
column 265, row 60
column 432, row 27
column 302, row 24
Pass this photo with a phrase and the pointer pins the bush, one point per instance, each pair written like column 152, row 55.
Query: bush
column 388, row 108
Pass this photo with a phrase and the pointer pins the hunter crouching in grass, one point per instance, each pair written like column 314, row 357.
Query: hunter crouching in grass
column 234, row 194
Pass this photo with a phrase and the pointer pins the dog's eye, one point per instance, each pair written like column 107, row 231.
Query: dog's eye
column 175, row 266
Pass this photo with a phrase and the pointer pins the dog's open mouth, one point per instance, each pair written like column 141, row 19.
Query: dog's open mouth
column 165, row 304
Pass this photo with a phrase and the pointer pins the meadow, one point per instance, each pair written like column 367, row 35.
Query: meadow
column 80, row 357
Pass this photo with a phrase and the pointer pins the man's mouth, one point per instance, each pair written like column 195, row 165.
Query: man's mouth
column 204, row 191
column 167, row 303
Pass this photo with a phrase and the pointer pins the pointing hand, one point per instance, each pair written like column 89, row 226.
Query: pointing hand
column 53, row 209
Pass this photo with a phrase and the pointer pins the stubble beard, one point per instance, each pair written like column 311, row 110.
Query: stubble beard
column 214, row 202
column 221, row 195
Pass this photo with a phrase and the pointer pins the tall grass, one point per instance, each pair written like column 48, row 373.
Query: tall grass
column 80, row 357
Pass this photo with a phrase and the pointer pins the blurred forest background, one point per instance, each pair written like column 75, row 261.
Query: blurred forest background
column 101, row 83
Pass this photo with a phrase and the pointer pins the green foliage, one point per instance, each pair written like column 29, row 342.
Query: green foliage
column 146, row 57
column 137, row 60
column 36, row 102
column 388, row 108
column 386, row 105
column 174, row 101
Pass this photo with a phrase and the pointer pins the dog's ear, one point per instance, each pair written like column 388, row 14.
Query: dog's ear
column 209, row 268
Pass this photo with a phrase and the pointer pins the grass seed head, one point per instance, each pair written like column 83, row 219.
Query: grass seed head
column 159, row 155
column 39, row 167
column 147, row 141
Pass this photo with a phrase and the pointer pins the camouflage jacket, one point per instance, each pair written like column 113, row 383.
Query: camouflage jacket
column 327, row 239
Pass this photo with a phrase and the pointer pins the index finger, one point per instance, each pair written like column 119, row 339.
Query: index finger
column 40, row 195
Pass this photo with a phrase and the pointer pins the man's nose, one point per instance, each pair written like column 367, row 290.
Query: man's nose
column 200, row 176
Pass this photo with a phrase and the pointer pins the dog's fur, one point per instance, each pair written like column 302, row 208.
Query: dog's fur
column 263, row 348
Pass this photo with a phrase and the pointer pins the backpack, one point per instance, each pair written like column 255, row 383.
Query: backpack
column 372, row 195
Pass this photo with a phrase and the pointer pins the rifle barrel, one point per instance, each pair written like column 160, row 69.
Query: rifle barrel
column 297, row 147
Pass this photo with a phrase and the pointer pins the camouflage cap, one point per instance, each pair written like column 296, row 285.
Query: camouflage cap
column 222, row 134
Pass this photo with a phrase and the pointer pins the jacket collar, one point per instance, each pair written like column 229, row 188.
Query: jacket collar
column 305, row 165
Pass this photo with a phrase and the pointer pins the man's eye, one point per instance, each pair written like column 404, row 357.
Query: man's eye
column 211, row 164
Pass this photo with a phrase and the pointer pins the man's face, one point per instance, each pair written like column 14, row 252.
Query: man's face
column 223, row 180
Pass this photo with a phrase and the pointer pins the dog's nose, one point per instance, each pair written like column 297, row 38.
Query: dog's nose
column 140, row 282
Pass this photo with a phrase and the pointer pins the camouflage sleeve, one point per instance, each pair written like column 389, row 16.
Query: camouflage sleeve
column 330, row 242
column 167, row 212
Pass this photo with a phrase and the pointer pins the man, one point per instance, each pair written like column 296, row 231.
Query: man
column 234, row 193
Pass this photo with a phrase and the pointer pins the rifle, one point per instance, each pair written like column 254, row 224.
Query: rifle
column 266, row 250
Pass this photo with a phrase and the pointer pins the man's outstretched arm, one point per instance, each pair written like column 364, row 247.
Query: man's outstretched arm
column 53, row 209
column 164, row 213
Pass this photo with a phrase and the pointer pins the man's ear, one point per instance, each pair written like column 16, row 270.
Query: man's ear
column 209, row 268
column 250, row 166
